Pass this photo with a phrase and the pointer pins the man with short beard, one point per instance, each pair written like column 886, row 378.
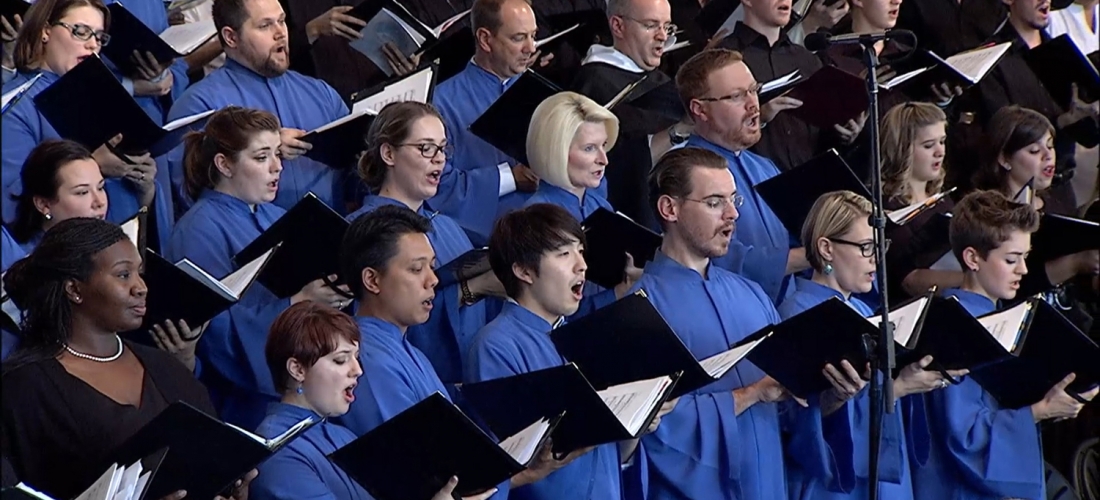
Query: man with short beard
column 721, row 95
column 256, row 75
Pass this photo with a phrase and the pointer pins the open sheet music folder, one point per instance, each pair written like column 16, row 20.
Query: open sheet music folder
column 118, row 482
column 609, row 237
column 309, row 237
column 629, row 340
column 93, row 122
column 129, row 34
column 390, row 22
column 505, row 123
column 1048, row 347
column 205, row 455
column 792, row 194
column 955, row 339
column 184, row 291
column 590, row 418
column 412, row 455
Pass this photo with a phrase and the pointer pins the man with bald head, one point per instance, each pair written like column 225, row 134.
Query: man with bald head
column 479, row 181
column 640, row 30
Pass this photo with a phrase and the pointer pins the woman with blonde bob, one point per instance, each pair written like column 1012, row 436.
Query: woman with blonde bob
column 567, row 147
column 841, row 249
column 914, row 137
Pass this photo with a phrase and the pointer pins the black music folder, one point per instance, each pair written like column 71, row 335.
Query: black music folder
column 205, row 455
column 830, row 96
column 185, row 291
column 128, row 34
column 412, row 455
column 955, row 339
column 609, row 236
column 505, row 123
column 469, row 265
column 792, row 194
column 1059, row 236
column 390, row 22
column 1059, row 63
column 591, row 29
column 453, row 52
column 649, row 105
column 629, row 340
column 774, row 88
column 11, row 8
column 339, row 142
column 1043, row 358
column 715, row 14
column 309, row 237
column 118, row 481
column 590, row 418
column 925, row 68
column 109, row 112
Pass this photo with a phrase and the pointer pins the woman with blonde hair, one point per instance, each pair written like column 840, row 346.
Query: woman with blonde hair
column 840, row 246
column 914, row 137
column 567, row 147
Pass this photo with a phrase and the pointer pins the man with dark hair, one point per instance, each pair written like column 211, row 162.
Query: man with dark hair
column 721, row 95
column 256, row 75
column 480, row 182
column 722, row 441
column 387, row 259
column 537, row 254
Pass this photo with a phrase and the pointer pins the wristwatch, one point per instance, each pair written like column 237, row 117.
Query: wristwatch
column 468, row 298
column 676, row 138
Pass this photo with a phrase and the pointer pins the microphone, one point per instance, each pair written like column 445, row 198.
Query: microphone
column 820, row 41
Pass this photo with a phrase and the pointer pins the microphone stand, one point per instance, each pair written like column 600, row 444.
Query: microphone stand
column 881, row 350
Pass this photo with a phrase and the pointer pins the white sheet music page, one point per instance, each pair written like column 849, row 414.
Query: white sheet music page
column 1006, row 326
column 975, row 64
column 415, row 88
column 523, row 445
column 905, row 319
column 716, row 366
column 632, row 402
column 185, row 38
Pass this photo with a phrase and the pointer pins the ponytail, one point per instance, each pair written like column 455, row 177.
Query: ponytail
column 227, row 132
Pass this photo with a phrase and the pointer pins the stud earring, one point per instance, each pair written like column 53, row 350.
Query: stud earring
column 828, row 269
column 48, row 216
column 1008, row 168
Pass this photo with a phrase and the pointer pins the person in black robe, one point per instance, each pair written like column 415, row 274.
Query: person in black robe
column 948, row 27
column 650, row 113
column 74, row 391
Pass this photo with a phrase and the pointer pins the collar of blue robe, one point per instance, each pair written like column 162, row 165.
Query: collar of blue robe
column 665, row 267
column 527, row 317
column 976, row 304
column 373, row 201
column 489, row 77
column 293, row 411
column 381, row 327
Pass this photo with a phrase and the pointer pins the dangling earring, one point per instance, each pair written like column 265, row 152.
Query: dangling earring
column 828, row 269
column 300, row 390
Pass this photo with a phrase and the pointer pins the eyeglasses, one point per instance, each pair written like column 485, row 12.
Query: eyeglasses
column 720, row 202
column 429, row 150
column 653, row 26
column 736, row 97
column 866, row 248
column 83, row 32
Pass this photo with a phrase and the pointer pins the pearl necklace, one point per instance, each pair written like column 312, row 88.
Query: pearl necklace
column 97, row 359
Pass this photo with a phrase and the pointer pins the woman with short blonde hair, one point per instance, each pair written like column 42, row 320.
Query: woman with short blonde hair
column 567, row 147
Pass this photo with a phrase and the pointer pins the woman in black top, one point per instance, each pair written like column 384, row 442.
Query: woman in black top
column 74, row 390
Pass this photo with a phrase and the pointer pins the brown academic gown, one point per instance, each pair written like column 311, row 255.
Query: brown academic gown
column 58, row 431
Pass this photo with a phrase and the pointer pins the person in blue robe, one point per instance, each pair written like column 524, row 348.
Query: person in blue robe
column 230, row 212
column 517, row 341
column 979, row 449
column 828, row 445
column 23, row 128
column 300, row 102
column 389, row 250
column 727, row 121
column 10, row 251
column 481, row 182
column 567, row 147
column 722, row 441
column 407, row 175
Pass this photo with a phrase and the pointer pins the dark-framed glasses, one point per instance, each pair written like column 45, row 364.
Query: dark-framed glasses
column 866, row 249
column 83, row 32
column 429, row 150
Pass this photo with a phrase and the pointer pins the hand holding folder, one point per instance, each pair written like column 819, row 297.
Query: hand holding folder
column 414, row 454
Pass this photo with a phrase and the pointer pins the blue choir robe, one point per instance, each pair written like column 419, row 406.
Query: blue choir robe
column 469, row 189
column 595, row 296
column 10, row 251
column 446, row 336
column 298, row 101
column 516, row 342
column 301, row 470
column 154, row 14
column 396, row 376
column 827, row 457
column 761, row 243
column 701, row 449
column 235, row 370
column 979, row 450
column 24, row 128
